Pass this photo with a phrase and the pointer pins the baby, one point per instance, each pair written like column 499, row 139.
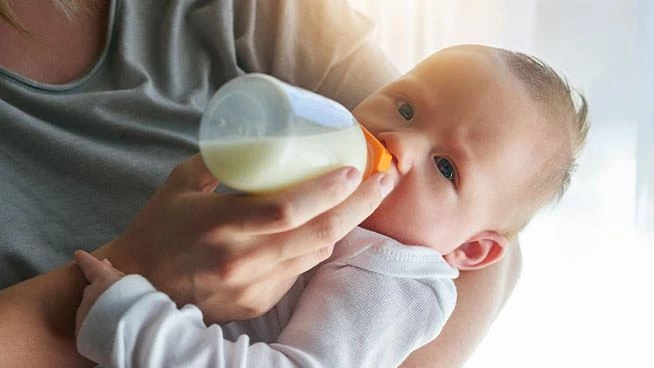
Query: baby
column 482, row 138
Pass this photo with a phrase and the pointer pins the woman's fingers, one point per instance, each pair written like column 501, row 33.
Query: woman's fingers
column 298, row 250
column 287, row 209
column 332, row 225
column 218, row 250
column 335, row 223
column 192, row 175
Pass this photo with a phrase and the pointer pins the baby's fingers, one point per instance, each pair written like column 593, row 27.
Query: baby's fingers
column 95, row 270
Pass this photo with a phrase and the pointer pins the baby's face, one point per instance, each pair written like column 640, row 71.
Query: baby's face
column 462, row 130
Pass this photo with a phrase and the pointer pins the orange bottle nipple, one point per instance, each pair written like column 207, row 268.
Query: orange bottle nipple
column 379, row 158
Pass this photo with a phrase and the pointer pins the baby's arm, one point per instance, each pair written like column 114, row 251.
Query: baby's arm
column 100, row 275
column 346, row 317
column 124, row 322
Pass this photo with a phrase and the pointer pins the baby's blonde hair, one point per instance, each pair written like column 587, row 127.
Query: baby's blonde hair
column 562, row 106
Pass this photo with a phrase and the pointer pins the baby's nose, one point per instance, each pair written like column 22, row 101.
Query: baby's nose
column 403, row 146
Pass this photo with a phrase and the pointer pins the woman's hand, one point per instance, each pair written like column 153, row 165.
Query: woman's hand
column 234, row 255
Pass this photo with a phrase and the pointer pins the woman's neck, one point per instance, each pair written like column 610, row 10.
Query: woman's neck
column 55, row 49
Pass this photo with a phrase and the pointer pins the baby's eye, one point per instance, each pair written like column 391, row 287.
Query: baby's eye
column 445, row 167
column 406, row 111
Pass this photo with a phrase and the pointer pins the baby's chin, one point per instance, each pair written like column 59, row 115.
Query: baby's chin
column 369, row 224
column 374, row 222
column 381, row 223
column 385, row 221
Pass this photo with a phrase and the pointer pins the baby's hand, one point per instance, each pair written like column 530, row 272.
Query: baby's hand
column 100, row 276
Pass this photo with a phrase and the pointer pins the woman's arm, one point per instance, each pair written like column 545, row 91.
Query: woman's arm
column 481, row 296
column 37, row 318
column 232, row 255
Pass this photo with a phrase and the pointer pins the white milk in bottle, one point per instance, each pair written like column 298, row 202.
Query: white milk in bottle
column 260, row 134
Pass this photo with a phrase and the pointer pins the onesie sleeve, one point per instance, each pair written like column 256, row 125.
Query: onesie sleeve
column 133, row 325
column 348, row 316
column 321, row 45
column 96, row 336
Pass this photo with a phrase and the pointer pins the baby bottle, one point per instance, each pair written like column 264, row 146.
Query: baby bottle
column 259, row 134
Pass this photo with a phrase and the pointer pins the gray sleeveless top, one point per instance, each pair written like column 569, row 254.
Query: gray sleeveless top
column 78, row 160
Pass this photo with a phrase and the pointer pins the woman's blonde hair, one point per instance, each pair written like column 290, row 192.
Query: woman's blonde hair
column 69, row 7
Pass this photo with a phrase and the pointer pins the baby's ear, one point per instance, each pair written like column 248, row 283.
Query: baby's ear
column 478, row 252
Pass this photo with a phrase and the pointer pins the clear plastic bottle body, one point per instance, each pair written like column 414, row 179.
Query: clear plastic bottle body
column 259, row 134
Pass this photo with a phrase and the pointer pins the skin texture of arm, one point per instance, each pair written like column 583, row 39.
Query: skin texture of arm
column 37, row 317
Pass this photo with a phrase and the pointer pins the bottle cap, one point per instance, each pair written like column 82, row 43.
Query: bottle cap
column 379, row 159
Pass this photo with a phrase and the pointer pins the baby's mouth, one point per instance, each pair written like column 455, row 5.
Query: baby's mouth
column 393, row 166
column 393, row 171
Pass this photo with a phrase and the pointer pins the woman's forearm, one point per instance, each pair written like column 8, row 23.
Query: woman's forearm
column 37, row 320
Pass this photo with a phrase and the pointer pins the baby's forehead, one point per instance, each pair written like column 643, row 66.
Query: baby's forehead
column 473, row 70
column 476, row 57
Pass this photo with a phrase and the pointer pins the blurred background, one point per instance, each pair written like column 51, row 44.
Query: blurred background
column 585, row 297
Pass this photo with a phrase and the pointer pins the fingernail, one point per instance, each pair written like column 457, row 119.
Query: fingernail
column 352, row 177
column 386, row 184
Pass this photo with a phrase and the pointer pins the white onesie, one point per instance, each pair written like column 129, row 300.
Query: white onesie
column 370, row 305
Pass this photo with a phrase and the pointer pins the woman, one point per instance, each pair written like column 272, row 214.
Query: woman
column 97, row 106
